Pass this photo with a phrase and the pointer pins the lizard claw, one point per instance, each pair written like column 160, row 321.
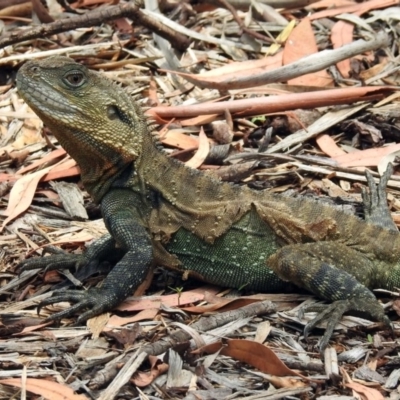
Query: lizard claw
column 95, row 300
column 57, row 261
column 375, row 203
column 103, row 249
column 332, row 313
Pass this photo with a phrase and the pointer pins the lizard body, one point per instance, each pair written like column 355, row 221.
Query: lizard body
column 157, row 210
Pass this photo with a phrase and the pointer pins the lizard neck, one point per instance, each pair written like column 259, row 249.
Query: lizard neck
column 100, row 165
column 169, row 177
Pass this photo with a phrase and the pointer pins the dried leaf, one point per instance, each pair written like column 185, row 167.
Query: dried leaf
column 263, row 330
column 341, row 34
column 253, row 353
column 201, row 153
column 356, row 8
column 385, row 160
column 368, row 393
column 45, row 159
column 64, row 169
column 174, row 138
column 285, row 382
column 96, row 324
column 329, row 146
column 125, row 336
column 143, row 379
column 48, row 389
column 302, row 43
column 21, row 195
column 366, row 158
column 221, row 304
column 170, row 300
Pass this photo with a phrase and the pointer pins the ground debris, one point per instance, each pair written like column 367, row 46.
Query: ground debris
column 301, row 97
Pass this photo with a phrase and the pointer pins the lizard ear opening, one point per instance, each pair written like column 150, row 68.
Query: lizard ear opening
column 114, row 112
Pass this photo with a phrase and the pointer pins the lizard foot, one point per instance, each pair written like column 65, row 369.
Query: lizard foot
column 57, row 261
column 332, row 313
column 95, row 300
column 375, row 203
column 102, row 249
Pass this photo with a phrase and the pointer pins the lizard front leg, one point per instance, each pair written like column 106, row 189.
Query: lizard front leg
column 332, row 271
column 124, row 224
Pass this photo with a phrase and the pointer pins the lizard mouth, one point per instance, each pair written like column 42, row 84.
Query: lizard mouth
column 42, row 97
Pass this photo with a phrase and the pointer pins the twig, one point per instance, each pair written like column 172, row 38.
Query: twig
column 193, row 33
column 328, row 120
column 262, row 105
column 231, row 9
column 98, row 17
column 245, row 4
column 312, row 63
column 179, row 336
column 133, row 363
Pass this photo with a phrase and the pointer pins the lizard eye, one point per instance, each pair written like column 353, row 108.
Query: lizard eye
column 74, row 78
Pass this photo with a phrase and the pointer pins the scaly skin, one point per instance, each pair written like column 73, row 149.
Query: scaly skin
column 159, row 211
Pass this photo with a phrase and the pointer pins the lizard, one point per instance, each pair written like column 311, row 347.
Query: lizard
column 159, row 211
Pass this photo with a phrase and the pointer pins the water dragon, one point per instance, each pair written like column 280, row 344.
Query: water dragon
column 159, row 211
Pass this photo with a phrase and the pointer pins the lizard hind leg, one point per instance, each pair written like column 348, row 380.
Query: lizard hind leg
column 334, row 272
column 375, row 204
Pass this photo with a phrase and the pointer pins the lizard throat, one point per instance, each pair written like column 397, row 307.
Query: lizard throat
column 101, row 166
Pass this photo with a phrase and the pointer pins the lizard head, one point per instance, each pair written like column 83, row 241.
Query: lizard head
column 94, row 119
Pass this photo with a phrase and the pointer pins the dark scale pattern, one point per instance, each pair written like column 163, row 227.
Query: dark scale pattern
column 237, row 259
column 324, row 269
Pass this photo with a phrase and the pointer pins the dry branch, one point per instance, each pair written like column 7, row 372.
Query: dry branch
column 97, row 17
column 282, row 103
column 313, row 63
column 245, row 4
column 179, row 336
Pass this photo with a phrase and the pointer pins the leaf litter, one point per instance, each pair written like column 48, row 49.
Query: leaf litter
column 340, row 59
